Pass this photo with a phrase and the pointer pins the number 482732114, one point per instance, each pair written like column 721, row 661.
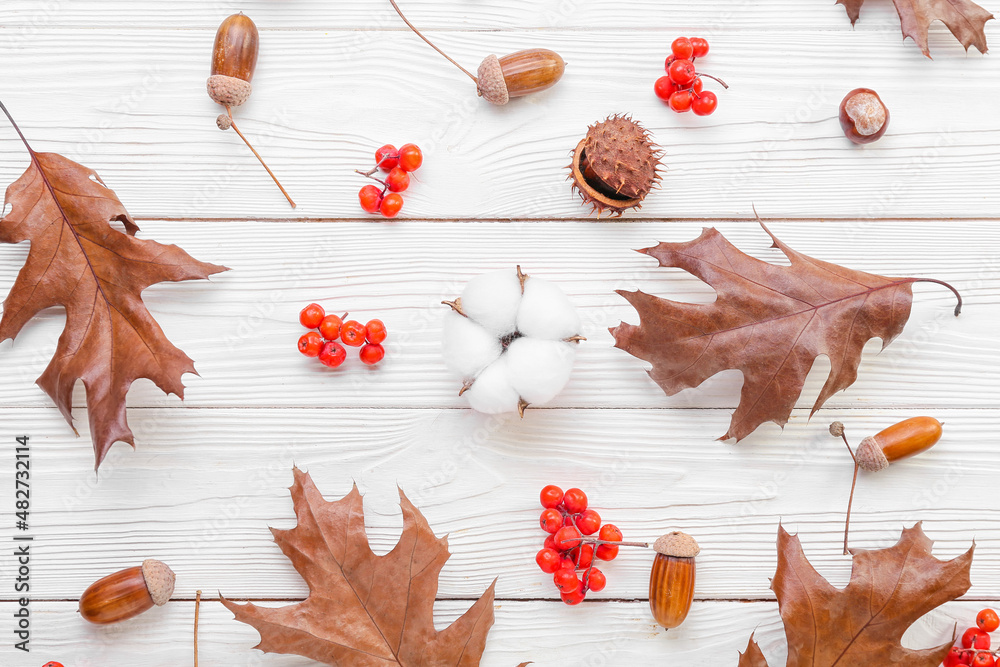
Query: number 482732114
column 22, row 489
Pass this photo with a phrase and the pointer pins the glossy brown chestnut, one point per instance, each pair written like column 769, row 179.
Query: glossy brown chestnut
column 863, row 116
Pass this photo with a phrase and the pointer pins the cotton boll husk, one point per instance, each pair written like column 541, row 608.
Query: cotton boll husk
column 492, row 392
column 467, row 347
column 546, row 312
column 539, row 369
column 492, row 300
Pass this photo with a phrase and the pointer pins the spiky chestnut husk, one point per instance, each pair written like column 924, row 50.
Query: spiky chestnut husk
column 616, row 165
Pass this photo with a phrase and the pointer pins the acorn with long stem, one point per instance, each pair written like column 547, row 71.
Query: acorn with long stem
column 234, row 59
column 899, row 441
column 499, row 79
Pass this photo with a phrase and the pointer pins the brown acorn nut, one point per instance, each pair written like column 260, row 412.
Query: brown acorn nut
column 863, row 116
column 519, row 74
column 234, row 59
column 899, row 441
column 671, row 581
column 127, row 593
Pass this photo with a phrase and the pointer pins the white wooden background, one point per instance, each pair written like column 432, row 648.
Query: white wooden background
column 119, row 85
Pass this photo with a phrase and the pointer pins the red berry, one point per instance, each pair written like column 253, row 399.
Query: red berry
column 549, row 560
column 551, row 521
column 682, row 72
column 386, row 163
column 594, row 580
column 53, row 663
column 973, row 637
column 370, row 198
column 391, row 204
column 567, row 563
column 567, row 537
column 682, row 48
column 397, row 180
column 330, row 327
column 987, row 620
column 700, row 47
column 352, row 333
column 669, row 60
column 589, row 522
column 697, row 85
column 551, row 496
column 705, row 104
column 583, row 556
column 371, row 354
column 958, row 656
column 606, row 552
column 312, row 315
column 310, row 344
column 550, row 542
column 574, row 597
column 681, row 101
column 664, row 88
column 375, row 331
column 609, row 533
column 575, row 501
column 566, row 581
column 410, row 157
column 984, row 660
column 332, row 354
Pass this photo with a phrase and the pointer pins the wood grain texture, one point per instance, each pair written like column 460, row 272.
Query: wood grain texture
column 132, row 105
column 240, row 327
column 204, row 485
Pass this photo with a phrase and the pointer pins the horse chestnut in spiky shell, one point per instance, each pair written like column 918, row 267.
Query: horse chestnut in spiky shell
column 616, row 165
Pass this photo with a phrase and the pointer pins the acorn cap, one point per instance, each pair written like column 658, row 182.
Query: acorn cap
column 870, row 455
column 491, row 82
column 159, row 581
column 677, row 544
column 228, row 90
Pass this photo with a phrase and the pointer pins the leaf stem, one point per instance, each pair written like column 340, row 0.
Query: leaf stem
column 958, row 307
column 16, row 128
column 254, row 150
column 430, row 43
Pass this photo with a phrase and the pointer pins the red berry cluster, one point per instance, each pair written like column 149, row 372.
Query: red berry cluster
column 682, row 88
column 323, row 343
column 975, row 646
column 568, row 548
column 397, row 164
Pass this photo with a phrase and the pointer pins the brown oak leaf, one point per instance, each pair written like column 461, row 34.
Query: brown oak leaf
column 365, row 610
column 863, row 623
column 79, row 261
column 965, row 19
column 769, row 321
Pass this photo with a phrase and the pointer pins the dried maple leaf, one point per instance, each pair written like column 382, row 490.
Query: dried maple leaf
column 769, row 321
column 363, row 609
column 965, row 19
column 79, row 261
column 863, row 623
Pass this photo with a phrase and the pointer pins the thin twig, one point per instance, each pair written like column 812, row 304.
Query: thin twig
column 197, row 609
column 850, row 503
column 715, row 78
column 271, row 173
column 430, row 43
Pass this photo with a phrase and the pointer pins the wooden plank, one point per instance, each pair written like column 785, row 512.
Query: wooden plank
column 204, row 485
column 602, row 634
column 131, row 104
column 241, row 327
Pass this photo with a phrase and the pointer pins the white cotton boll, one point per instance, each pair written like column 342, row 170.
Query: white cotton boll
column 492, row 392
column 539, row 369
column 467, row 347
column 492, row 300
column 546, row 312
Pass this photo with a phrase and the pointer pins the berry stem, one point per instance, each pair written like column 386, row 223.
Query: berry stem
column 598, row 542
column 715, row 78
column 378, row 164
column 197, row 609
column 430, row 43
column 254, row 150
column 368, row 174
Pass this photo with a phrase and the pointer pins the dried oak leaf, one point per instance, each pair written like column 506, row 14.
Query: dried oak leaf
column 863, row 623
column 769, row 321
column 79, row 261
column 365, row 610
column 965, row 19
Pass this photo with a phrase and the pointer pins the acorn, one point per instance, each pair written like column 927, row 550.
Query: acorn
column 127, row 593
column 616, row 165
column 671, row 581
column 501, row 79
column 234, row 60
